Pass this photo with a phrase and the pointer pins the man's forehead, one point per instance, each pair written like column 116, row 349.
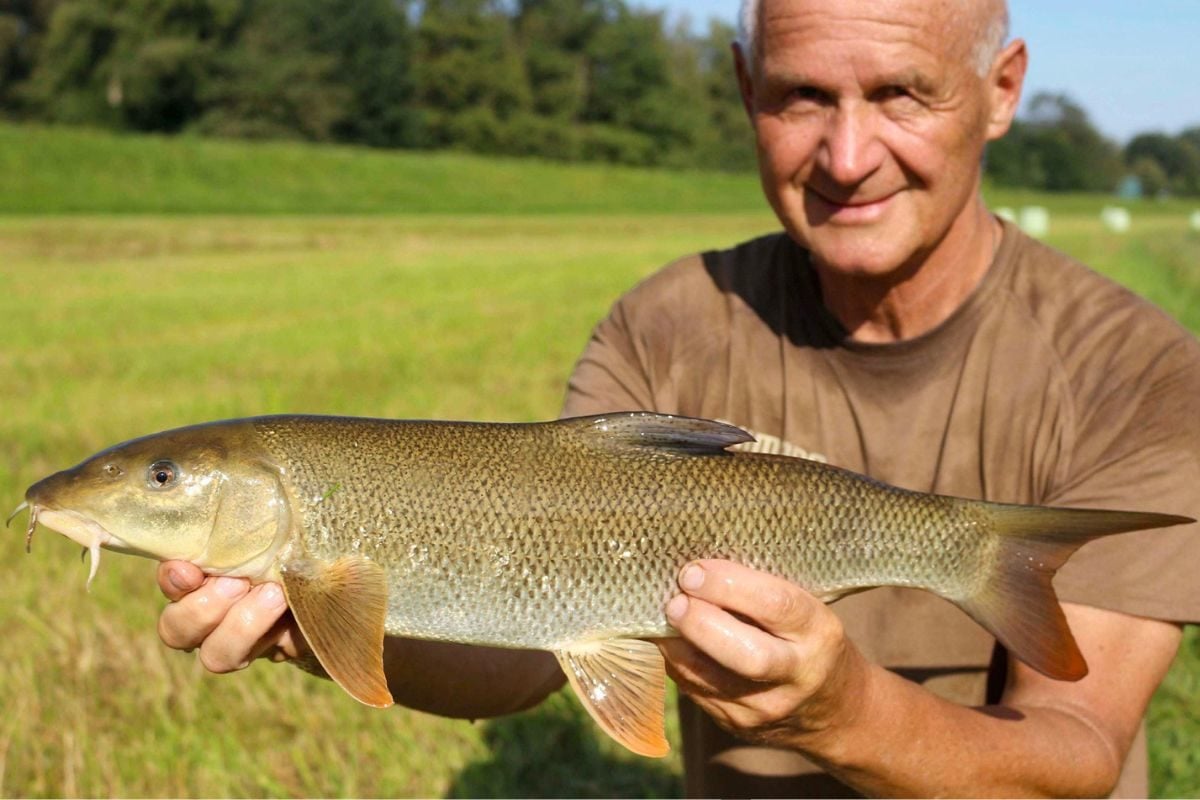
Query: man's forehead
column 943, row 27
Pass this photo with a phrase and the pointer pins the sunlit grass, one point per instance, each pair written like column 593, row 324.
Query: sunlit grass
column 116, row 326
column 53, row 170
column 69, row 170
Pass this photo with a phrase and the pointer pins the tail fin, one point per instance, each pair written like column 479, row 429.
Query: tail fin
column 1017, row 603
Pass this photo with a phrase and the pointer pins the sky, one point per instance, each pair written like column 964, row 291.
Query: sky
column 1134, row 66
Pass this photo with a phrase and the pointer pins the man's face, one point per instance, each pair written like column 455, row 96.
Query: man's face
column 871, row 121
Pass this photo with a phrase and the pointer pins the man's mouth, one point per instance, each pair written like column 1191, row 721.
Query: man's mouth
column 852, row 209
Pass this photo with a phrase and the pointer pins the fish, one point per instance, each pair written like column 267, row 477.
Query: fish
column 564, row 536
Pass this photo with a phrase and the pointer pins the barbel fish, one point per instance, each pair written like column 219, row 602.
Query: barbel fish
column 564, row 536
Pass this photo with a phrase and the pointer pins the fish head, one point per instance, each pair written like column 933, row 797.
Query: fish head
column 205, row 494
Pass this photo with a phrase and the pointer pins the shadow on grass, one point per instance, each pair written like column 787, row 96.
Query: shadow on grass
column 556, row 750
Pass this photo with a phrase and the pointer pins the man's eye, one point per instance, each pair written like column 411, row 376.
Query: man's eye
column 807, row 94
column 893, row 93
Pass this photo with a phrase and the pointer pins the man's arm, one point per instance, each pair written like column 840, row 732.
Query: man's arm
column 770, row 663
column 232, row 623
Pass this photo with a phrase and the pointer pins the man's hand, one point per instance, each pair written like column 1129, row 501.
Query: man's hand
column 766, row 659
column 770, row 663
column 231, row 622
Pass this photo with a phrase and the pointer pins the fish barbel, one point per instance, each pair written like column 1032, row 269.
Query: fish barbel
column 565, row 536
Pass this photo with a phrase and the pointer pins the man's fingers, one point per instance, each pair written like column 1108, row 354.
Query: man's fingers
column 732, row 643
column 230, row 622
column 698, row 675
column 246, row 630
column 774, row 604
column 178, row 578
column 185, row 623
column 283, row 642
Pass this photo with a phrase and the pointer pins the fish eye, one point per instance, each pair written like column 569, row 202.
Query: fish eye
column 113, row 471
column 161, row 474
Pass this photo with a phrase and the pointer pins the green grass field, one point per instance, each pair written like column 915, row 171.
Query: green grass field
column 187, row 306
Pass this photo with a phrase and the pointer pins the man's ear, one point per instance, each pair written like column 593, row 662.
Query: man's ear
column 744, row 79
column 1004, row 83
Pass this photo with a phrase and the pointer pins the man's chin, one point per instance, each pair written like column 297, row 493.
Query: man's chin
column 864, row 257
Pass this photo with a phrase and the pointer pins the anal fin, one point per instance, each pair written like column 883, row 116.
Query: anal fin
column 341, row 607
column 622, row 683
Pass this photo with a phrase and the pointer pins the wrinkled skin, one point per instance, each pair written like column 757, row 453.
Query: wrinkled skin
column 871, row 123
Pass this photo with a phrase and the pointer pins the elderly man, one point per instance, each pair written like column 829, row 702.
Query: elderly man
column 897, row 328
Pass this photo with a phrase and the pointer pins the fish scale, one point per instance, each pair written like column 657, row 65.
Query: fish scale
column 536, row 534
column 566, row 536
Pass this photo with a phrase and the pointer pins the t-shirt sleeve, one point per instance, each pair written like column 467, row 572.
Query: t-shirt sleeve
column 1137, row 447
column 632, row 359
column 610, row 374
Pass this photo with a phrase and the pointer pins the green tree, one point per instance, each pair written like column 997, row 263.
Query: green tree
column 1191, row 136
column 269, row 83
column 1013, row 160
column 554, row 36
column 1055, row 147
column 470, row 75
column 135, row 63
column 1075, row 155
column 1177, row 157
column 725, row 139
column 371, row 45
column 1150, row 174
column 70, row 82
column 23, row 25
column 11, row 32
column 571, row 79
column 630, row 89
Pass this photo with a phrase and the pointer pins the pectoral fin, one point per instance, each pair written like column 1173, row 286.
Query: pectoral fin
column 341, row 607
column 622, row 684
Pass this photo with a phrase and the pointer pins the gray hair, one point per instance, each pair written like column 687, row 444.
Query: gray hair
column 989, row 38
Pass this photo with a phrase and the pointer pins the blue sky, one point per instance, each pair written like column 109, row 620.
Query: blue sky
column 1135, row 66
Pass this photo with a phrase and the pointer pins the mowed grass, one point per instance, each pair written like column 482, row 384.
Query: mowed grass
column 68, row 170
column 118, row 325
column 53, row 170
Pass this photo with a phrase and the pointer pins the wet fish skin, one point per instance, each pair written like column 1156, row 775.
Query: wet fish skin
column 548, row 550
column 565, row 536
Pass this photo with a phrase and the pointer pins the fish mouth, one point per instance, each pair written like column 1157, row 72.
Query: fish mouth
column 75, row 526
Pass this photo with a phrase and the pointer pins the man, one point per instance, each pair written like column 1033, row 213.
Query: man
column 897, row 329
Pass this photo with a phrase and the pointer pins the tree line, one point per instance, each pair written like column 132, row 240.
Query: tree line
column 563, row 79
column 1055, row 147
column 596, row 80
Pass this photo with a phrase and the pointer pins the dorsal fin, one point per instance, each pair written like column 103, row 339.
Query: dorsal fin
column 681, row 435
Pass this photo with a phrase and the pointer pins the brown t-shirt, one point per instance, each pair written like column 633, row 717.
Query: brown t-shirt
column 1049, row 385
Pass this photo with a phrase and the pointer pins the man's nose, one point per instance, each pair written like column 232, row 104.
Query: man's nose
column 851, row 149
